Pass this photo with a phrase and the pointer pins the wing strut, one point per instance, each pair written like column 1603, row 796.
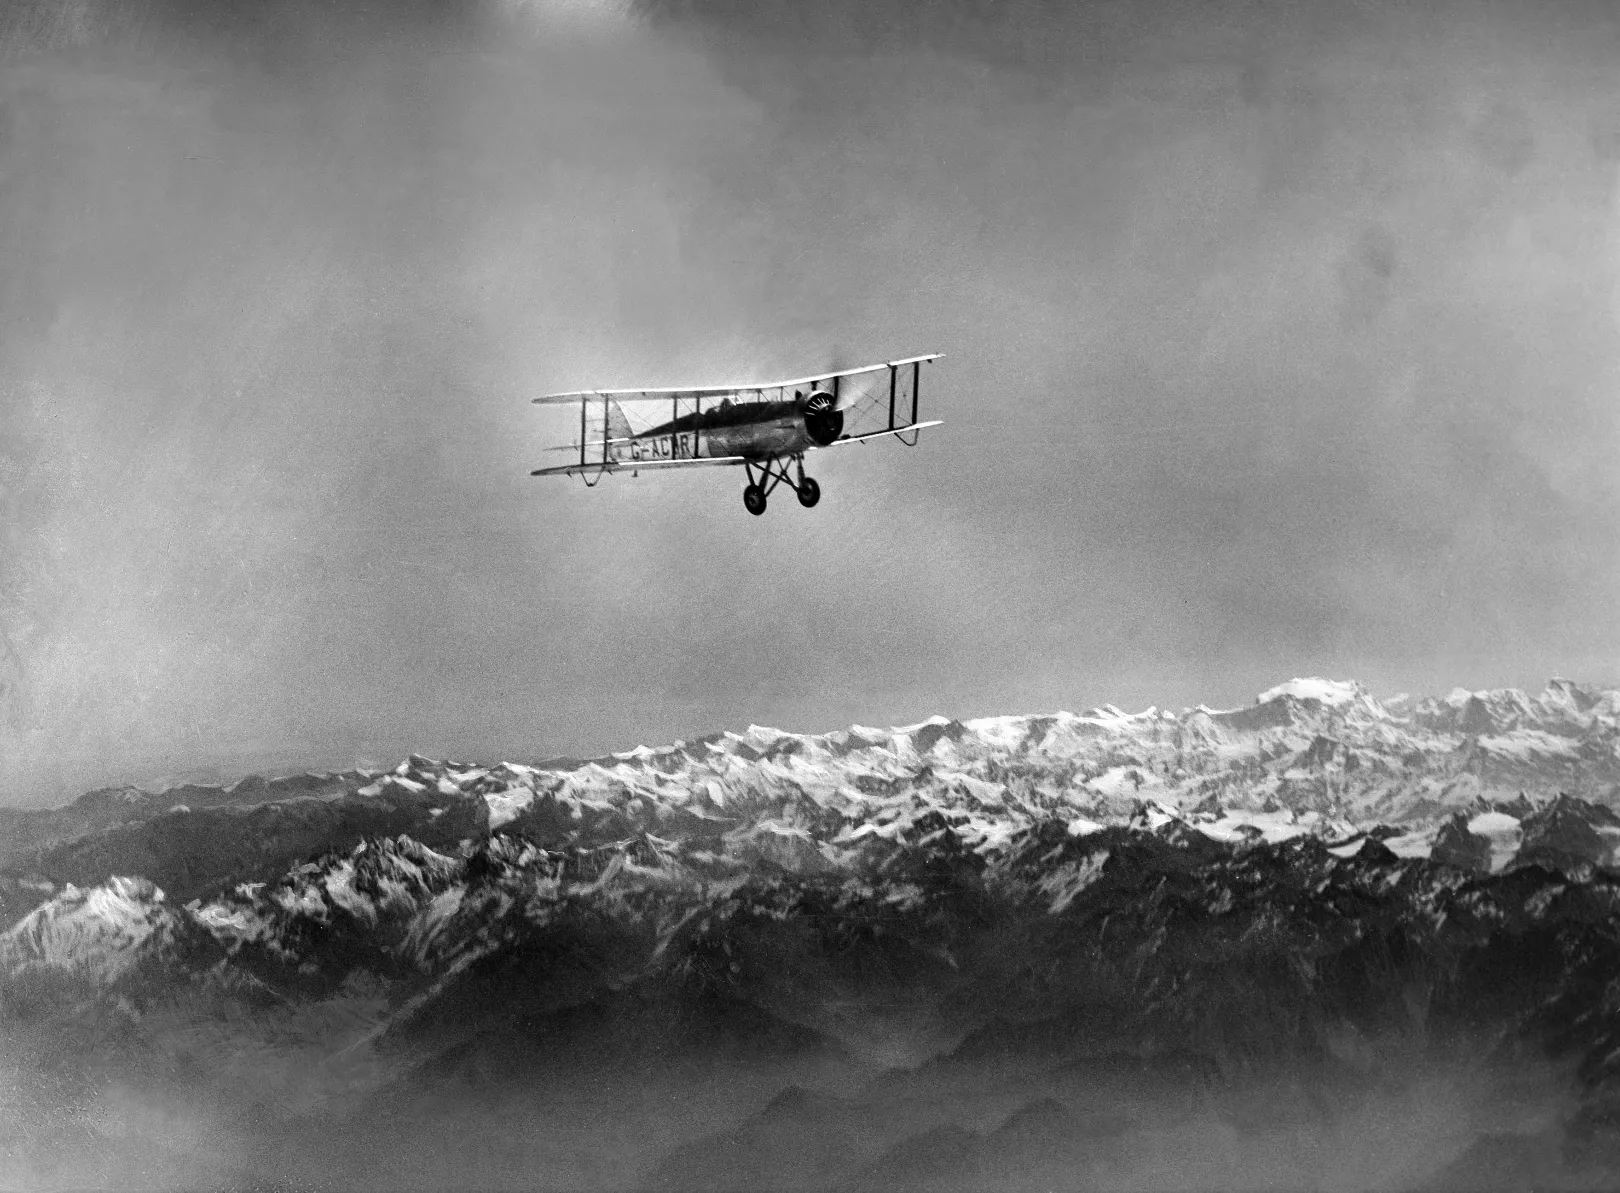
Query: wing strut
column 916, row 385
column 584, row 400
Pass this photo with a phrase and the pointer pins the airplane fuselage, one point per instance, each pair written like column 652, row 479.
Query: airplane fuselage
column 757, row 430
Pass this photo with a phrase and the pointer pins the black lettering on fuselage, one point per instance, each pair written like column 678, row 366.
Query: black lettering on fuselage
column 660, row 447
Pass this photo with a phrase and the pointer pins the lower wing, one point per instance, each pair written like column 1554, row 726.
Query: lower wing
column 886, row 431
column 588, row 468
column 600, row 466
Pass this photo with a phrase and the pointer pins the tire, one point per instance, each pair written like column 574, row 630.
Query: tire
column 754, row 500
column 809, row 493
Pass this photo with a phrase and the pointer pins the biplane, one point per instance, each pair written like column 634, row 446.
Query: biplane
column 765, row 429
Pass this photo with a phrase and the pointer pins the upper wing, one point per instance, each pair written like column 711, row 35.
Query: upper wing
column 715, row 391
column 576, row 468
column 885, row 431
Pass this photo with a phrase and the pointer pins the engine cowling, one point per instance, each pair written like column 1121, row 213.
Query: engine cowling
column 823, row 421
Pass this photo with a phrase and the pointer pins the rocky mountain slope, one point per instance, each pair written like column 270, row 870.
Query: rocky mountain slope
column 1034, row 944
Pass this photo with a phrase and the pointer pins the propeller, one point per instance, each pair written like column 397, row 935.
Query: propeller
column 823, row 413
column 848, row 392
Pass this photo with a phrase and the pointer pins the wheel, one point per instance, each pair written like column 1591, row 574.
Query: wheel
column 809, row 492
column 754, row 499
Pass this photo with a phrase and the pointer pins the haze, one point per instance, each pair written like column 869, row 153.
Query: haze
column 1282, row 339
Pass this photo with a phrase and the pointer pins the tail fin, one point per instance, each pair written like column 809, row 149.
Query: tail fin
column 618, row 426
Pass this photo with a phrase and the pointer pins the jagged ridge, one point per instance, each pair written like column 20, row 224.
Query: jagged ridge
column 1309, row 756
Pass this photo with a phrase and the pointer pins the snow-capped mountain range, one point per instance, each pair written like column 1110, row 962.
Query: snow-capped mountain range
column 1466, row 775
column 878, row 891
column 1311, row 755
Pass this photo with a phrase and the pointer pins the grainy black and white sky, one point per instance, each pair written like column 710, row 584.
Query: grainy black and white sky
column 1282, row 340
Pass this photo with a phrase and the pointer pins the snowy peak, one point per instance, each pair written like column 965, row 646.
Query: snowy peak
column 1565, row 709
column 98, row 933
column 1318, row 704
column 1327, row 692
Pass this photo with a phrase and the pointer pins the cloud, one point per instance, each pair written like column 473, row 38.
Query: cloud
column 1278, row 343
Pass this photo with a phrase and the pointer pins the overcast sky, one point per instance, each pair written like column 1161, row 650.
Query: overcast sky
column 1282, row 340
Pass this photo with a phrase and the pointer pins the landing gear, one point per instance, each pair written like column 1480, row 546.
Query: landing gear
column 773, row 473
